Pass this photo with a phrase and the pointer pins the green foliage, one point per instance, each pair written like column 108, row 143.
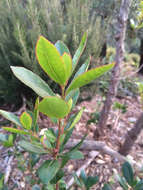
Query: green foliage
column 22, row 23
column 57, row 106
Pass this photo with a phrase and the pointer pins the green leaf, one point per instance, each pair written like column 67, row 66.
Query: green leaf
column 91, row 181
column 88, row 76
column 83, row 176
column 54, row 107
column 121, row 181
column 79, row 51
column 58, row 176
column 62, row 48
column 35, row 115
column 34, row 158
column 50, row 136
column 107, row 187
column 68, row 64
column 50, row 60
column 74, row 94
column 3, row 137
column 1, row 181
column 77, row 180
column 77, row 118
column 18, row 131
column 32, row 147
column 33, row 81
column 83, row 68
column 26, row 120
column 78, row 144
column 139, row 185
column 128, row 173
column 36, row 187
column 9, row 142
column 76, row 155
column 48, row 170
column 11, row 117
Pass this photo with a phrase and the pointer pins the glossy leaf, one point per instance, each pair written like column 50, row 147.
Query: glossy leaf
column 77, row 118
column 48, row 170
column 62, row 48
column 79, row 51
column 54, row 107
column 11, row 117
column 33, row 81
column 83, row 68
column 128, row 173
column 26, row 120
column 50, row 60
column 32, row 147
column 88, row 76
column 68, row 64
column 18, row 131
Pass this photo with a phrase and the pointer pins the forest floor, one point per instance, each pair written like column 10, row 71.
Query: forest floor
column 102, row 165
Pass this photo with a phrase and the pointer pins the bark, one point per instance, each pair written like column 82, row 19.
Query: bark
column 119, row 38
column 141, row 57
column 132, row 136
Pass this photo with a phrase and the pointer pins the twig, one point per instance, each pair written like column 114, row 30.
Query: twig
column 8, row 170
column 93, row 154
column 96, row 145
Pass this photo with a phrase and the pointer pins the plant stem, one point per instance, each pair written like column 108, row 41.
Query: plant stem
column 58, row 139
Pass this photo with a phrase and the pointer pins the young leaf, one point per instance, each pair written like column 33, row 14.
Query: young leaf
column 48, row 170
column 88, row 76
column 79, row 51
column 26, row 120
column 18, row 131
column 54, row 107
column 128, row 173
column 33, row 81
column 62, row 48
column 50, row 60
column 83, row 68
column 77, row 118
column 68, row 64
column 32, row 147
column 11, row 117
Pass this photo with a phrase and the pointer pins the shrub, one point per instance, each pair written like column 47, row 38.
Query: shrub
column 21, row 24
column 57, row 63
